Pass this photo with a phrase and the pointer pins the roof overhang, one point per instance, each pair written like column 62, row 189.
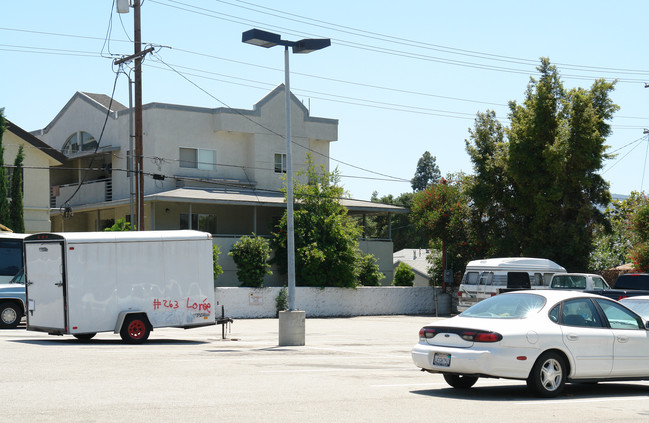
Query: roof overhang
column 261, row 198
column 241, row 197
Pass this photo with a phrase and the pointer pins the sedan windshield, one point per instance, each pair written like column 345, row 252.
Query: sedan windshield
column 506, row 306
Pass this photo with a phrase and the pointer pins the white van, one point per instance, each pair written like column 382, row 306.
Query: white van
column 485, row 278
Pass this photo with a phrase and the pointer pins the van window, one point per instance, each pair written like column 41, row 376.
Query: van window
column 500, row 280
column 470, row 278
column 518, row 280
column 486, row 278
column 547, row 278
column 537, row 280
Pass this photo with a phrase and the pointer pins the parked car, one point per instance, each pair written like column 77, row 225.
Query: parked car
column 12, row 301
column 578, row 282
column 545, row 337
column 627, row 285
column 486, row 278
column 639, row 304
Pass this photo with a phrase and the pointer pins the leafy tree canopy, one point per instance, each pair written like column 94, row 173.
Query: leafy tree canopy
column 326, row 237
column 639, row 226
column 537, row 188
column 613, row 238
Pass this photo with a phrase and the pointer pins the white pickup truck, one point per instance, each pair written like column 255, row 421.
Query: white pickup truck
column 578, row 282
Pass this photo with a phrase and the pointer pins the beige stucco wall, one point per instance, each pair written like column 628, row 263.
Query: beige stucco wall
column 36, row 182
column 245, row 140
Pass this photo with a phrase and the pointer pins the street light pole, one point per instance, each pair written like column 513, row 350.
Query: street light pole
column 291, row 332
column 290, row 224
column 268, row 39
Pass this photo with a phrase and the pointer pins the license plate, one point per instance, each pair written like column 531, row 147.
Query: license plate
column 442, row 360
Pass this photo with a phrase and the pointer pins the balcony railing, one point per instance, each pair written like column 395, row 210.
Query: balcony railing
column 90, row 192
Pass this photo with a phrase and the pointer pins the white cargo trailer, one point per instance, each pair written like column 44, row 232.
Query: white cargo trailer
column 82, row 283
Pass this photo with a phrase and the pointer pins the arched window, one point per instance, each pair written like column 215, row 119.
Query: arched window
column 79, row 141
column 71, row 145
column 88, row 142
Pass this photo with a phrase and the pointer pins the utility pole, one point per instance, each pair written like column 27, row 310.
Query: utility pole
column 137, row 157
column 139, row 153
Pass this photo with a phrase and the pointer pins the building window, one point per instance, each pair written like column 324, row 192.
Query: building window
column 280, row 163
column 198, row 158
column 79, row 141
column 199, row 222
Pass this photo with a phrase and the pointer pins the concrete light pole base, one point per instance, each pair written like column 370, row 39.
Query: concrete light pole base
column 292, row 328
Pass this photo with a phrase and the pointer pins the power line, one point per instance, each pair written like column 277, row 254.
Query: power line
column 231, row 18
column 416, row 43
column 268, row 129
column 354, row 101
column 81, row 53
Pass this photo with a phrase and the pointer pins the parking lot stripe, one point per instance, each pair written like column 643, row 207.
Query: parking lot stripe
column 574, row 400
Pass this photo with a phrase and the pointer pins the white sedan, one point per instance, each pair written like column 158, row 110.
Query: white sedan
column 545, row 337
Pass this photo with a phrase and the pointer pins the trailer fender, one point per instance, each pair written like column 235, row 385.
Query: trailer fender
column 122, row 316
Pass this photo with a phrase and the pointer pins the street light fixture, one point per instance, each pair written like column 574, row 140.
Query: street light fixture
column 267, row 39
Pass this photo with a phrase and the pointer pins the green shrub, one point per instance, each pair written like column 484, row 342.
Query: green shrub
column 251, row 256
column 215, row 261
column 121, row 225
column 281, row 302
column 368, row 273
column 403, row 276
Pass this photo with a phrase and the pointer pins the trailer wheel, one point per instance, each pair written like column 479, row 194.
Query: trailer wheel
column 10, row 315
column 135, row 329
column 84, row 337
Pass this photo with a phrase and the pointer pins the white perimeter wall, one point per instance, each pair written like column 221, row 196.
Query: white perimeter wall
column 245, row 303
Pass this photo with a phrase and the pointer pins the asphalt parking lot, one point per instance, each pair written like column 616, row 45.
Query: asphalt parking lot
column 351, row 370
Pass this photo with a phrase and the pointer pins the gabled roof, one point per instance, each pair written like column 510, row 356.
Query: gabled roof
column 30, row 139
column 105, row 101
column 99, row 101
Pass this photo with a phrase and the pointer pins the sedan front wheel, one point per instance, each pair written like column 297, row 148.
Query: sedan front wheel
column 548, row 376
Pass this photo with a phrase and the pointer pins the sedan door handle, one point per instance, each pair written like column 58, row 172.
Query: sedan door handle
column 622, row 339
column 572, row 337
column 59, row 284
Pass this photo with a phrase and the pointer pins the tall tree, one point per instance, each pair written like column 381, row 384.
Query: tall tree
column 546, row 187
column 427, row 173
column 490, row 188
column 16, row 217
column 326, row 237
column 4, row 201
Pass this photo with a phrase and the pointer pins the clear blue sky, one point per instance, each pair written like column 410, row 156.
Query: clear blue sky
column 402, row 78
